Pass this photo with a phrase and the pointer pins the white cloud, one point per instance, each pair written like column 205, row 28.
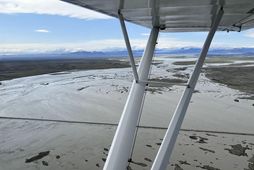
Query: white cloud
column 249, row 33
column 51, row 7
column 42, row 30
column 145, row 34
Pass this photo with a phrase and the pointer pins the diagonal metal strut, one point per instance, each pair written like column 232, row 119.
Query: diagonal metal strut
column 128, row 46
column 122, row 143
column 166, row 148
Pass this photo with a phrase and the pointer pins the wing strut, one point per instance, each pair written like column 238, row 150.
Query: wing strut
column 128, row 46
column 164, row 153
column 122, row 144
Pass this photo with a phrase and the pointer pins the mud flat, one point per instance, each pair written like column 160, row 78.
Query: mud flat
column 217, row 132
column 41, row 145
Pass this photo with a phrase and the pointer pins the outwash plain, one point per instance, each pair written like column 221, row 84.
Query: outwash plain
column 62, row 115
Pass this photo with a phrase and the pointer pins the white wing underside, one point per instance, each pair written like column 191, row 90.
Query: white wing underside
column 177, row 15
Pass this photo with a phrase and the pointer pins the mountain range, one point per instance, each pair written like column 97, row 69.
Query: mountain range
column 122, row 53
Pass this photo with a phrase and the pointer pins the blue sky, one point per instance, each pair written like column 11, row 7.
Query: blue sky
column 51, row 25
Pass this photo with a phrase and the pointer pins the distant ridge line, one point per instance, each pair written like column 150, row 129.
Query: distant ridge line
column 119, row 53
column 115, row 124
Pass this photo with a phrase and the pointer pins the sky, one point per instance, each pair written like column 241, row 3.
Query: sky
column 36, row 26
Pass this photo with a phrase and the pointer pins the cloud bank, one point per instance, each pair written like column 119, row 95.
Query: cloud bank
column 249, row 33
column 106, row 45
column 50, row 7
column 94, row 45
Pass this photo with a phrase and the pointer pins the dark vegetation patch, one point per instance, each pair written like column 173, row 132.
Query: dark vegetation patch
column 159, row 143
column 45, row 163
column 194, row 137
column 236, row 100
column 239, row 78
column 183, row 63
column 207, row 150
column 82, row 88
column 147, row 159
column 238, row 150
column 199, row 139
column 149, row 145
column 15, row 69
column 180, row 68
column 184, row 162
column 37, row 157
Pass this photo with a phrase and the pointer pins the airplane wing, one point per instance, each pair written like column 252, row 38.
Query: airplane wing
column 177, row 15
